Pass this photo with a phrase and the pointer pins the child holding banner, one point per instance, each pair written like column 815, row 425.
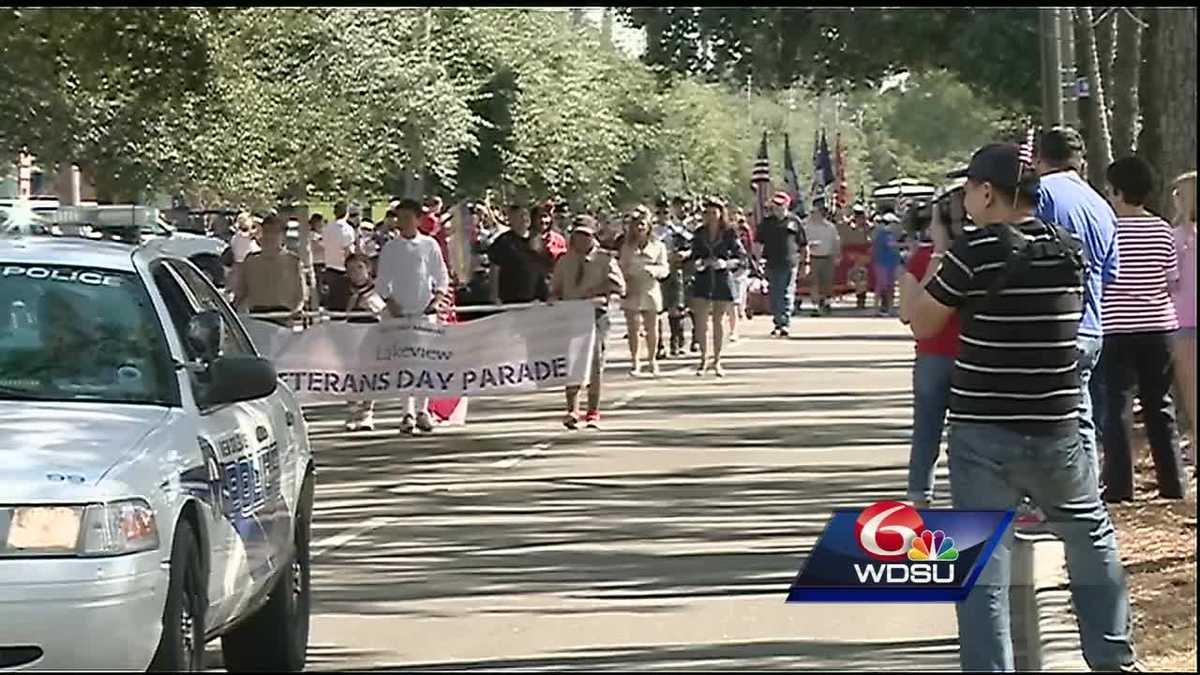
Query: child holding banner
column 363, row 298
column 414, row 282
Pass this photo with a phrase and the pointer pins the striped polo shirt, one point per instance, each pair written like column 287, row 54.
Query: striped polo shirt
column 1017, row 358
column 1139, row 301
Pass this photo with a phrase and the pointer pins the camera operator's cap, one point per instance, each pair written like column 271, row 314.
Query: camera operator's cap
column 782, row 199
column 1060, row 144
column 1000, row 164
column 714, row 201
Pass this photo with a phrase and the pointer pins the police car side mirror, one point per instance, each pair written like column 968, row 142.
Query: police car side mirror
column 240, row 377
column 205, row 335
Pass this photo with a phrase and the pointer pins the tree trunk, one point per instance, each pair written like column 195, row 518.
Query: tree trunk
column 1177, row 56
column 1150, row 94
column 1099, row 144
column 1106, row 31
column 1124, row 92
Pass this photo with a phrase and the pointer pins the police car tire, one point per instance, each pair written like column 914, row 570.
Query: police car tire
column 275, row 638
column 185, row 590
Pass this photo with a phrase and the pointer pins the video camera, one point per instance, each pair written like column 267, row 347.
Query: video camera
column 948, row 201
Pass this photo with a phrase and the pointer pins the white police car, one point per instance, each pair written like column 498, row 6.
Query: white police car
column 156, row 480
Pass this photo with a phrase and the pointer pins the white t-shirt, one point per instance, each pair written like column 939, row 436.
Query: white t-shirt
column 410, row 271
column 242, row 246
column 337, row 237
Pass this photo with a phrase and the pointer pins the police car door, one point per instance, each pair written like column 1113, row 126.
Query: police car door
column 247, row 523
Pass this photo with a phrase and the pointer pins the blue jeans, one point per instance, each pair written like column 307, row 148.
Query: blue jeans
column 781, row 285
column 1088, row 352
column 991, row 468
column 931, row 396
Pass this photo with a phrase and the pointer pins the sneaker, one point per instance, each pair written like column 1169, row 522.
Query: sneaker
column 424, row 422
column 654, row 369
column 571, row 421
column 367, row 424
column 352, row 425
column 592, row 419
column 775, row 331
column 783, row 332
column 718, row 370
column 408, row 424
column 733, row 338
column 1030, row 519
column 636, row 371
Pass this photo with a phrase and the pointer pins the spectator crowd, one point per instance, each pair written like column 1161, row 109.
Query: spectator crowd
column 1044, row 310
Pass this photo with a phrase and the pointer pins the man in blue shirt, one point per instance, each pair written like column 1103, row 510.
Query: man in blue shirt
column 1066, row 199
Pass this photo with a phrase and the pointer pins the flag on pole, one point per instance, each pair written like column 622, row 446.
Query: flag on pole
column 826, row 161
column 1027, row 146
column 760, row 180
column 791, row 179
column 822, row 166
column 842, row 193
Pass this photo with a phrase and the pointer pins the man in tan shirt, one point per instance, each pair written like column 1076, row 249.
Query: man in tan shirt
column 270, row 280
column 585, row 272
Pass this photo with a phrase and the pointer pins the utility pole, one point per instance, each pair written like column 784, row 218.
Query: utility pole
column 1050, row 36
column 606, row 25
column 1066, row 50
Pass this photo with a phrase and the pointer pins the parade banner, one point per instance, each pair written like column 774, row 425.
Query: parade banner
column 514, row 352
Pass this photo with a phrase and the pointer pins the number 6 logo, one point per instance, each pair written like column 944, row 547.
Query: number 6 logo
column 885, row 530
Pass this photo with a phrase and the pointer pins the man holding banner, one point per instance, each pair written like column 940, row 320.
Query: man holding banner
column 587, row 273
column 413, row 280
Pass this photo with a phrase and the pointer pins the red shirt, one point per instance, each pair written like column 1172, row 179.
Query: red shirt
column 945, row 343
column 556, row 244
column 429, row 225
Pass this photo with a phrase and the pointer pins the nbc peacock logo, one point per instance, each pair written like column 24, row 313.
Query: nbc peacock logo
column 933, row 546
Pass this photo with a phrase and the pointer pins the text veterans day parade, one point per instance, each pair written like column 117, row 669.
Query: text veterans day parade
column 539, row 348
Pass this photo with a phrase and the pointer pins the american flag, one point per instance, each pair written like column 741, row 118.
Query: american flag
column 1027, row 147
column 760, row 180
column 842, row 191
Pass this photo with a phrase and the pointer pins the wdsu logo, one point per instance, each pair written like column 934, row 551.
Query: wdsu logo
column 890, row 552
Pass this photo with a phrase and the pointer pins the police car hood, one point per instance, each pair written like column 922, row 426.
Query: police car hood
column 43, row 442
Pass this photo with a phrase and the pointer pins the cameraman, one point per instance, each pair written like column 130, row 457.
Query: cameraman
column 935, row 355
column 1014, row 405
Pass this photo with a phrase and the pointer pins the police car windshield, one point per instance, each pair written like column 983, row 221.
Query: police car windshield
column 72, row 333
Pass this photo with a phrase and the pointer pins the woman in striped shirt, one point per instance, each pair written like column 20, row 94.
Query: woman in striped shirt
column 1139, row 320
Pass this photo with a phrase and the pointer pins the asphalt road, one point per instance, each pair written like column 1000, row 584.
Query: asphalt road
column 666, row 540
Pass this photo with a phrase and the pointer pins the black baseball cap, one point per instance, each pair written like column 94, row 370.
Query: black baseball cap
column 410, row 204
column 1060, row 144
column 1000, row 164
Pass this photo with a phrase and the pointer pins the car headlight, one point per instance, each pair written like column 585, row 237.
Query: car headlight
column 114, row 528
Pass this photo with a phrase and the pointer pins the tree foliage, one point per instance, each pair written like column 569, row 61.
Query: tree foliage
column 261, row 106
column 993, row 50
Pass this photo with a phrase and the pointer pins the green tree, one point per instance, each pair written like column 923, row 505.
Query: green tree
column 830, row 48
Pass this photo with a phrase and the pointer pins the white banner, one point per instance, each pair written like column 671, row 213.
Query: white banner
column 517, row 351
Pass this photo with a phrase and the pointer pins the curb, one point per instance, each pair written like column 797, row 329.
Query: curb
column 1045, row 633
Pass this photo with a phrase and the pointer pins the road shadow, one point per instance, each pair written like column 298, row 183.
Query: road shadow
column 802, row 655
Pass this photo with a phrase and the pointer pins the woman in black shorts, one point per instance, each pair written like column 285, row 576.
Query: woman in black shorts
column 716, row 254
